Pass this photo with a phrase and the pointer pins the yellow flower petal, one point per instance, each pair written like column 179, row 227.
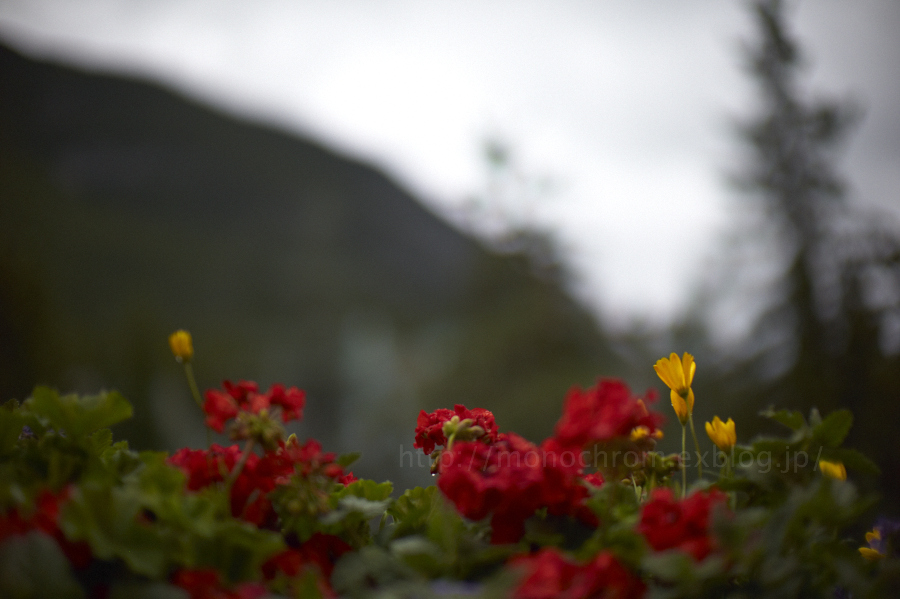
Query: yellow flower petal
column 680, row 406
column 689, row 367
column 870, row 554
column 663, row 369
column 875, row 535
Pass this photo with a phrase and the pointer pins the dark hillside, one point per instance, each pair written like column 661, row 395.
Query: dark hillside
column 127, row 211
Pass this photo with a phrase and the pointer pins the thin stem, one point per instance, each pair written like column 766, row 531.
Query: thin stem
column 697, row 447
column 732, row 500
column 683, row 460
column 636, row 492
column 195, row 393
column 451, row 440
column 236, row 471
column 192, row 383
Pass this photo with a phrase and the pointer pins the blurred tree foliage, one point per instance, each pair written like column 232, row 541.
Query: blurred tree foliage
column 822, row 274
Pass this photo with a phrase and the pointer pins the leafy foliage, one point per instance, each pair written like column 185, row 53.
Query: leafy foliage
column 100, row 518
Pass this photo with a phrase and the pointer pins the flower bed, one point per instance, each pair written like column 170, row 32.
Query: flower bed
column 593, row 511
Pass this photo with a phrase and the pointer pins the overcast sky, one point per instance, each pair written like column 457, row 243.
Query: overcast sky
column 624, row 105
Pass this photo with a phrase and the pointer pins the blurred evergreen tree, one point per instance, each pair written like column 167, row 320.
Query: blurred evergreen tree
column 827, row 334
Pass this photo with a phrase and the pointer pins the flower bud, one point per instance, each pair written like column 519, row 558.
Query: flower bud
column 182, row 345
column 722, row 433
column 833, row 469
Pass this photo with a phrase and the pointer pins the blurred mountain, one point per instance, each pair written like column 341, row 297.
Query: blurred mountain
column 128, row 211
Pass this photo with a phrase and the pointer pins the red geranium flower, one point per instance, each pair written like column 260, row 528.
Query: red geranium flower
column 549, row 575
column 509, row 480
column 259, row 476
column 430, row 427
column 604, row 412
column 667, row 523
column 320, row 550
column 222, row 406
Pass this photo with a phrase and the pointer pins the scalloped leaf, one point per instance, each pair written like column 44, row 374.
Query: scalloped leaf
column 78, row 416
column 411, row 511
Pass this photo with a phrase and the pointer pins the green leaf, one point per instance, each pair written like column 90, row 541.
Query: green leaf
column 422, row 555
column 365, row 572
column 32, row 566
column 359, row 507
column 353, row 506
column 237, row 549
column 411, row 511
column 367, row 489
column 792, row 419
column 108, row 519
column 834, row 428
column 79, row 416
column 669, row 565
column 346, row 459
column 11, row 423
column 852, row 460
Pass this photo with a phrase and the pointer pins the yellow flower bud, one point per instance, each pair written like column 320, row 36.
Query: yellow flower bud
column 833, row 469
column 182, row 345
column 722, row 433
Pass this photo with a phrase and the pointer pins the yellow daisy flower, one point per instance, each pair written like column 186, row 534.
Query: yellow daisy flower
column 678, row 374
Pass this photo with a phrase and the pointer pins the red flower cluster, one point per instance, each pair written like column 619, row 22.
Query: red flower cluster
column 430, row 427
column 259, row 476
column 510, row 480
column 221, row 406
column 309, row 459
column 604, row 412
column 670, row 524
column 45, row 518
column 549, row 575
column 319, row 551
column 205, row 583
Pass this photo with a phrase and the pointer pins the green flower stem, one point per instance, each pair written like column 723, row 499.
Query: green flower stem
column 195, row 393
column 240, row 465
column 451, row 440
column 697, row 448
column 732, row 497
column 683, row 456
column 192, row 383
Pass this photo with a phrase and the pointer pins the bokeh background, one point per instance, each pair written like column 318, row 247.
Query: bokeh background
column 405, row 205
